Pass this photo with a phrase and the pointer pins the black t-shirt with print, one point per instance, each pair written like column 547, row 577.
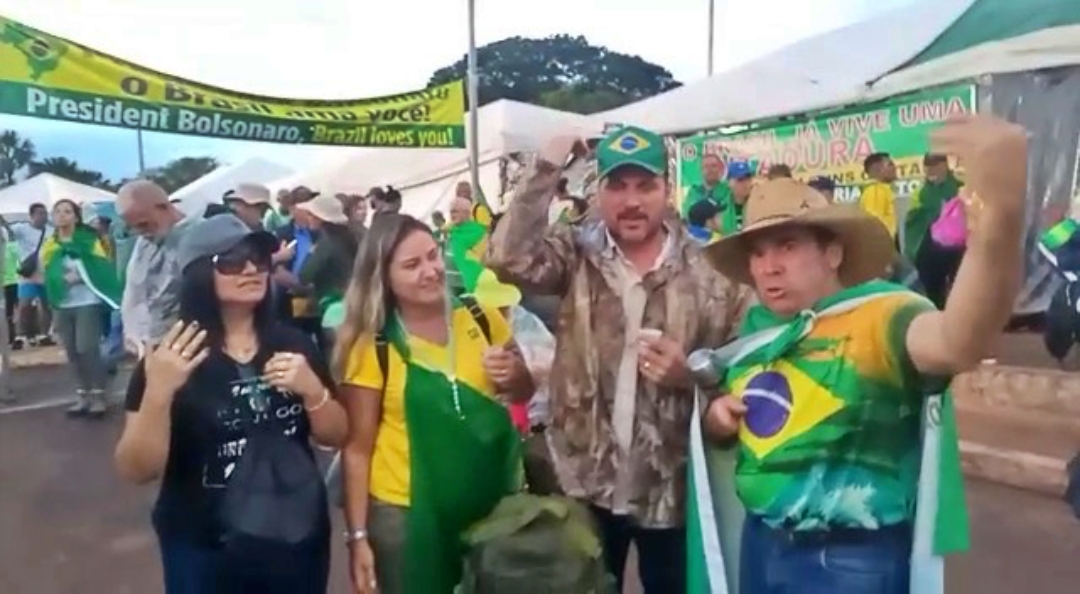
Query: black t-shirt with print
column 210, row 416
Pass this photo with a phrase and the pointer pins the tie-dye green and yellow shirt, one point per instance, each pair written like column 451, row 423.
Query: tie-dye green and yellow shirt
column 831, row 437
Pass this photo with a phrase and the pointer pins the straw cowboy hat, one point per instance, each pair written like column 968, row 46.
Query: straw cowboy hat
column 868, row 246
column 325, row 208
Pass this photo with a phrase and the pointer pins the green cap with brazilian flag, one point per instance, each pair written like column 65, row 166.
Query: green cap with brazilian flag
column 631, row 146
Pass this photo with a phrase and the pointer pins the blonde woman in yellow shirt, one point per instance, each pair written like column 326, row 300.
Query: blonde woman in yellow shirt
column 431, row 449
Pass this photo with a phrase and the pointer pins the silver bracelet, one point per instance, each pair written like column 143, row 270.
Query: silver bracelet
column 322, row 403
column 357, row 535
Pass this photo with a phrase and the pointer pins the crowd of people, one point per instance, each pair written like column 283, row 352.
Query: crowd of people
column 433, row 354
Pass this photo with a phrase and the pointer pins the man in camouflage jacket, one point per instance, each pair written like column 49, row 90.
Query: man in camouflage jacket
column 637, row 296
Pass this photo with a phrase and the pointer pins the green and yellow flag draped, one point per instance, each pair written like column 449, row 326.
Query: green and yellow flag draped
column 97, row 271
column 715, row 511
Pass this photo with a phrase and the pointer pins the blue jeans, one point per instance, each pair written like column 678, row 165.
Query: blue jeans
column 191, row 568
column 846, row 561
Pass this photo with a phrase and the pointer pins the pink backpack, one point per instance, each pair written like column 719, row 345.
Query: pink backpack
column 950, row 229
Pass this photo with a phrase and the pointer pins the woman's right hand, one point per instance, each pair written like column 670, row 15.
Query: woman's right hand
column 362, row 568
column 169, row 366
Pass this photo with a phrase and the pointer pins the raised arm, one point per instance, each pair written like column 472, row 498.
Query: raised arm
column 524, row 250
column 994, row 152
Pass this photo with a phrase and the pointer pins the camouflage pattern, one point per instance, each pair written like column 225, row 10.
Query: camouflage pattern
column 689, row 301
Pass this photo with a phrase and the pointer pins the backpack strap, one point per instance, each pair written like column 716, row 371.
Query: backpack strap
column 382, row 347
column 477, row 314
column 382, row 354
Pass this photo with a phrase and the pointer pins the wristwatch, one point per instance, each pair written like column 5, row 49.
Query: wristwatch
column 357, row 535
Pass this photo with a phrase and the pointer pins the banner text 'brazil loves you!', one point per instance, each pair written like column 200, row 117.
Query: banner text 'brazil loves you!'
column 45, row 76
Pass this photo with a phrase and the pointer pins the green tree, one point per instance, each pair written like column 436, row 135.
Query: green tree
column 70, row 170
column 579, row 99
column 16, row 152
column 562, row 71
column 181, row 172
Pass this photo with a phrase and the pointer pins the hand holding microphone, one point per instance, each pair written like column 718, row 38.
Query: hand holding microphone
column 723, row 415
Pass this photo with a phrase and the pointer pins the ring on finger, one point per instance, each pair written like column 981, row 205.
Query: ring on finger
column 280, row 374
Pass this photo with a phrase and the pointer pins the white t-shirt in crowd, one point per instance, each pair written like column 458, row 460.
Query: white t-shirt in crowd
column 28, row 237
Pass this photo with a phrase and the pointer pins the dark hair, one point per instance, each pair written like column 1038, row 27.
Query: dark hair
column 874, row 160
column 214, row 209
column 199, row 303
column 779, row 170
column 822, row 184
column 561, row 187
column 343, row 234
column 823, row 236
column 701, row 212
column 38, row 205
column 392, row 196
column 934, row 159
column 79, row 224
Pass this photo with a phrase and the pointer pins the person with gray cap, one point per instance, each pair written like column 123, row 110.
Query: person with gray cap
column 223, row 375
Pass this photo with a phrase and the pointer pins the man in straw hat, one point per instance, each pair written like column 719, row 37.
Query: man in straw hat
column 832, row 373
column 637, row 295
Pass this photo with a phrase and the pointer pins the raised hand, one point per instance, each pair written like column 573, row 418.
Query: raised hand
column 169, row 366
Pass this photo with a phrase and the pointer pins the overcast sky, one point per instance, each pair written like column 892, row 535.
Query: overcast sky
column 338, row 49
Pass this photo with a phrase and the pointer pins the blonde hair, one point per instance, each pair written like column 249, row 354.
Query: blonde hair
column 368, row 299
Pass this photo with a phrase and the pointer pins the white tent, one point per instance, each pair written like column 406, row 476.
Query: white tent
column 1046, row 48
column 426, row 176
column 46, row 188
column 820, row 72
column 195, row 196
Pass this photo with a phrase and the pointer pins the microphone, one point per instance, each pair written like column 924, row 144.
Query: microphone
column 705, row 369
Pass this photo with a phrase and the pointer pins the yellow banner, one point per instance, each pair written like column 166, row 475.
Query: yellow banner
column 45, row 76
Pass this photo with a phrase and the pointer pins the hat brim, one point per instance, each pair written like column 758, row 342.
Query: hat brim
column 868, row 246
column 333, row 218
column 647, row 167
column 246, row 200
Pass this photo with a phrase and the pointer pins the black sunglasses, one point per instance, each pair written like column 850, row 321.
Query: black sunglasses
column 234, row 261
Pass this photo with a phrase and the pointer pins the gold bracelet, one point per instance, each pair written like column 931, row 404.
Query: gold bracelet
column 322, row 403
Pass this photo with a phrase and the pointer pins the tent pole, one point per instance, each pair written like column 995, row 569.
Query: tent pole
column 712, row 38
column 6, row 397
column 142, row 157
column 474, row 107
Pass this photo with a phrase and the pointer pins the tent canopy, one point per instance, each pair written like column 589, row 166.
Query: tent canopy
column 209, row 188
column 46, row 188
column 824, row 71
column 930, row 43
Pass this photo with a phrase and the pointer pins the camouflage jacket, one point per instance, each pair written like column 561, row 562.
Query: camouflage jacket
column 686, row 298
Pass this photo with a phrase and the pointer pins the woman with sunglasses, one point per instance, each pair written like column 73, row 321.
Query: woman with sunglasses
column 225, row 370
column 431, row 449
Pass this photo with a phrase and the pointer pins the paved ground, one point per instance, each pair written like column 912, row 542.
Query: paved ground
column 68, row 526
